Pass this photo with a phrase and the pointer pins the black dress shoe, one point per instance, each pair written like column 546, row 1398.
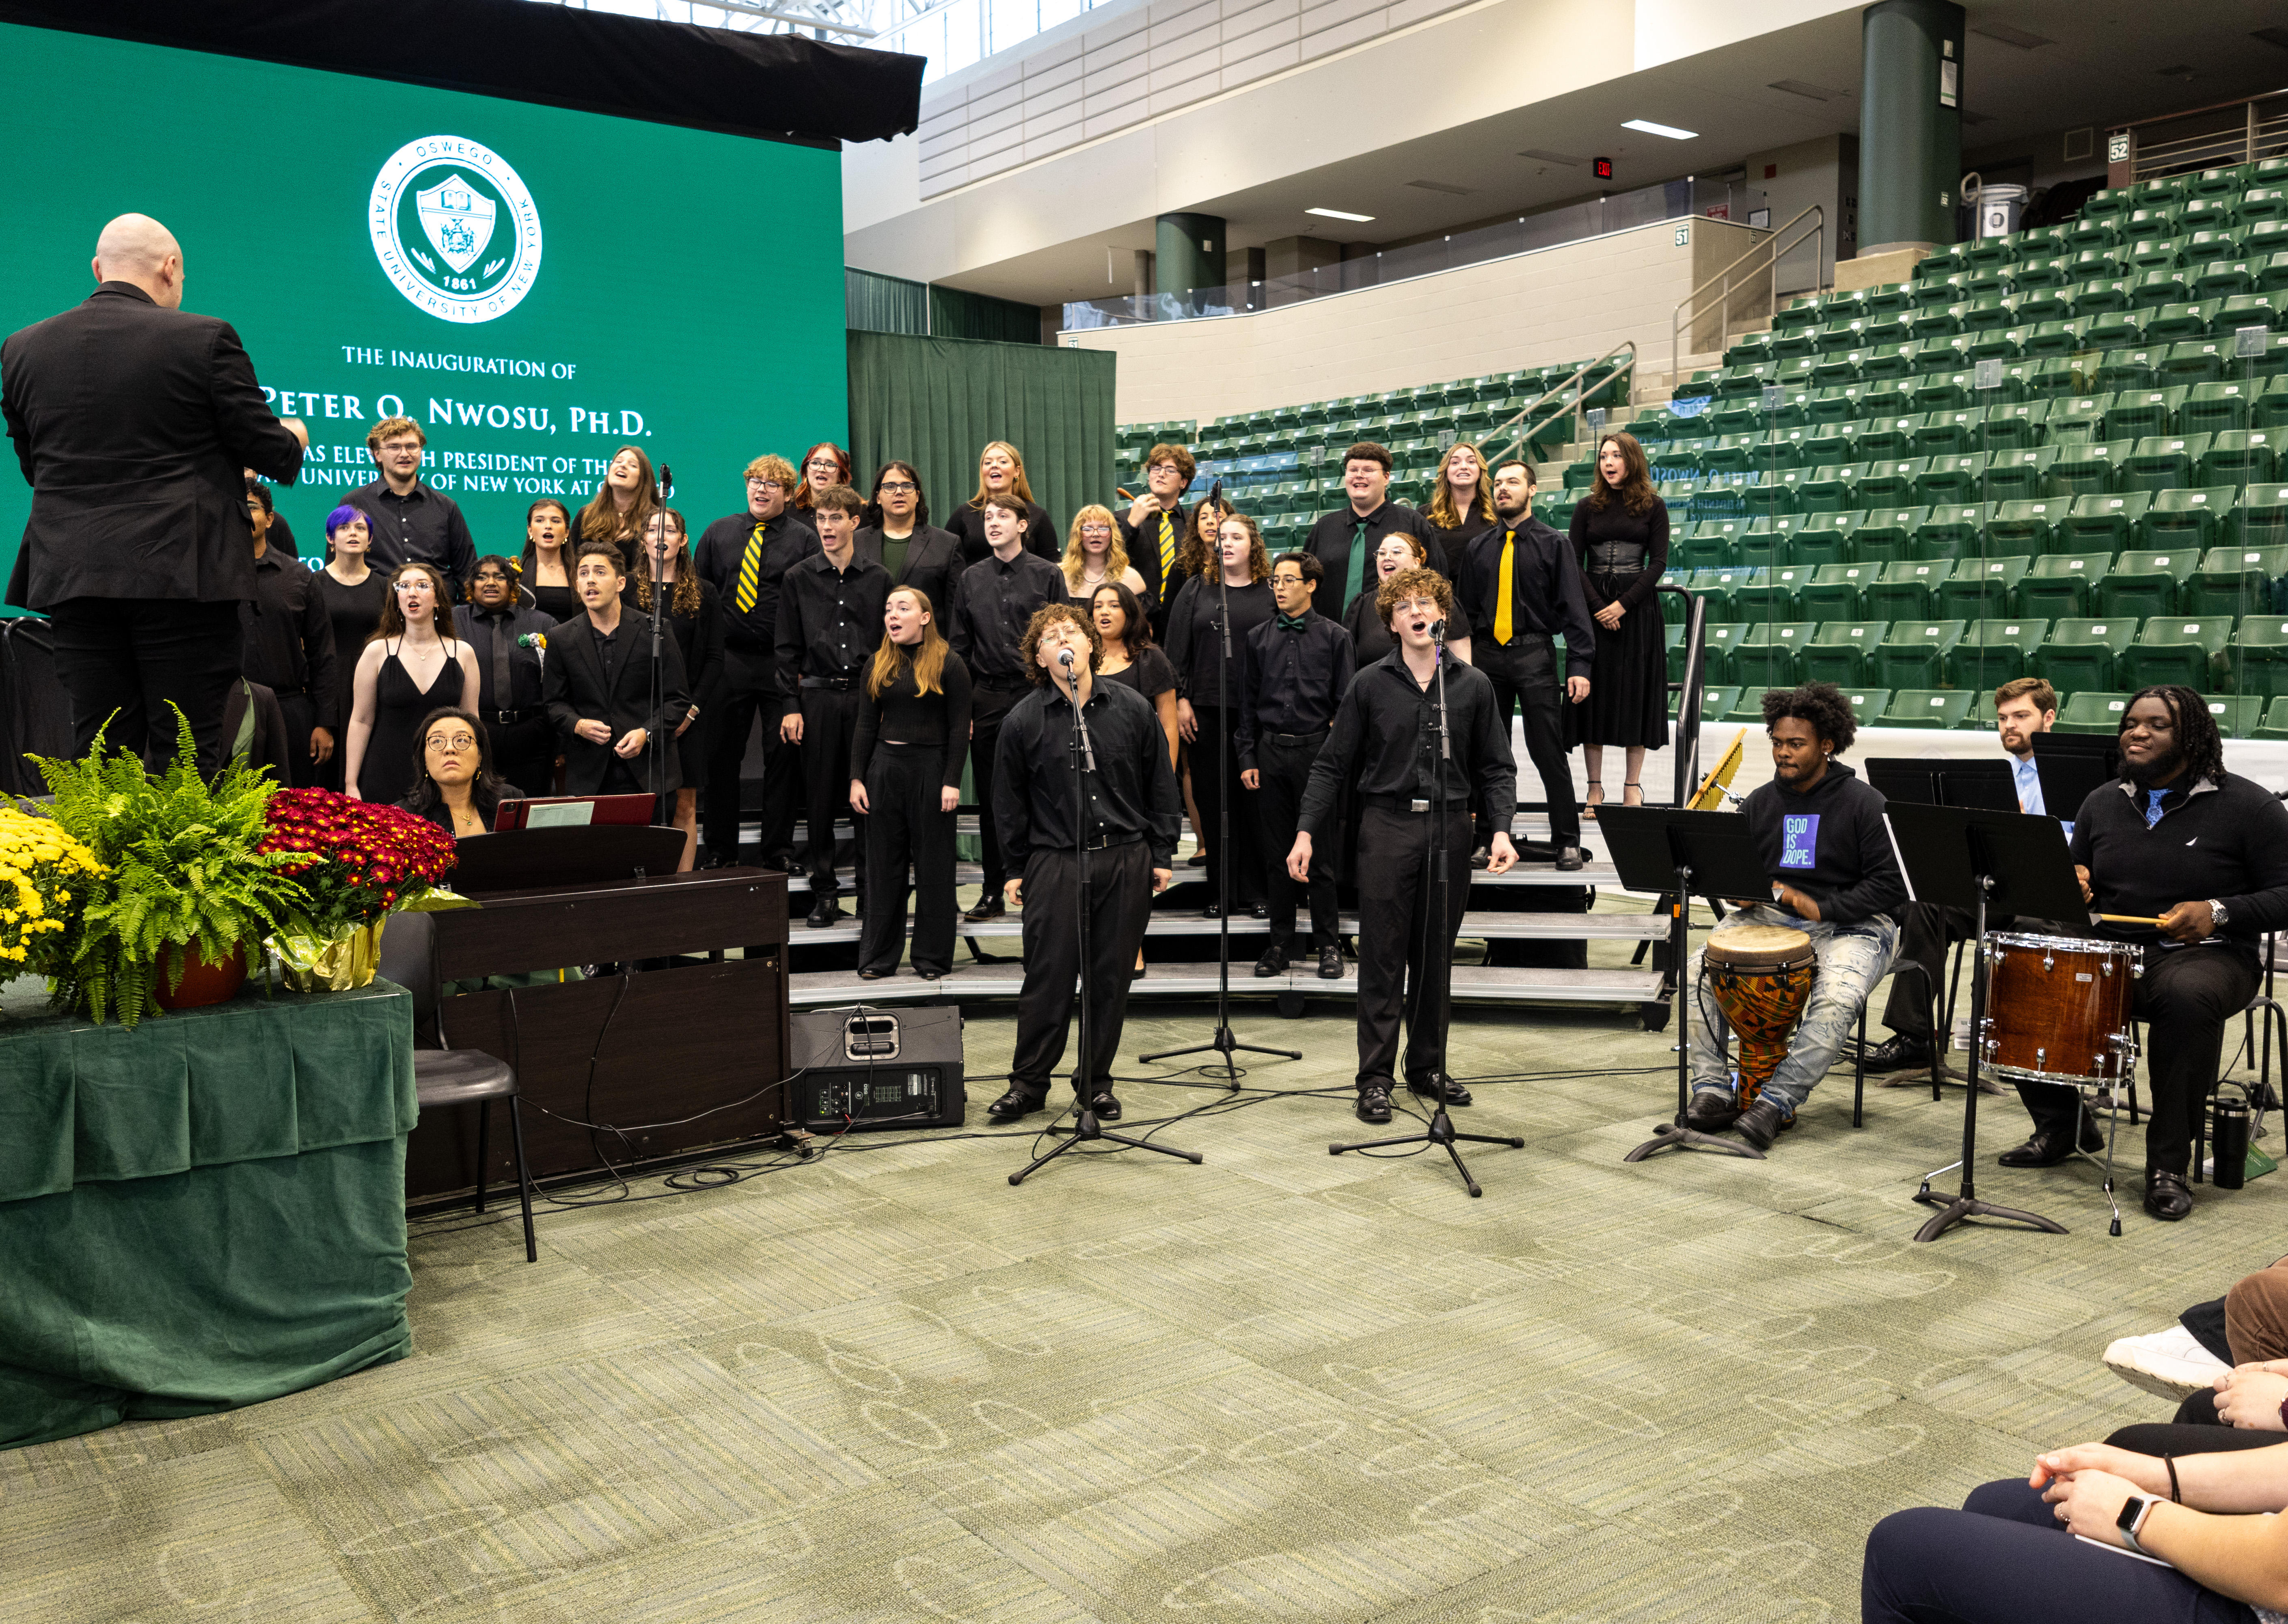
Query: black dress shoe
column 988, row 906
column 1258, row 910
column 873, row 974
column 2165, row 1195
column 1481, row 857
column 1535, row 851
column 1330, row 964
column 1011, row 1106
column 1427, row 1087
column 1213, row 910
column 823, row 912
column 1568, row 858
column 2047, row 1148
column 1107, row 1107
column 1273, row 961
column 1713, row 1111
column 1198, row 859
column 1904, row 1052
column 1373, row 1104
column 1761, row 1123
column 927, row 972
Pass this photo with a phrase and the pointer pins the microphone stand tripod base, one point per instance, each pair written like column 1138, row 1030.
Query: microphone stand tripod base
column 1674, row 1136
column 1955, row 1208
column 1441, row 1133
column 1087, row 1130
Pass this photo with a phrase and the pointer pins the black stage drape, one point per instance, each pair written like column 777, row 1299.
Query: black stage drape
column 775, row 86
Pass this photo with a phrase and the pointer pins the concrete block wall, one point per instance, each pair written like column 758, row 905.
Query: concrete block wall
column 1556, row 305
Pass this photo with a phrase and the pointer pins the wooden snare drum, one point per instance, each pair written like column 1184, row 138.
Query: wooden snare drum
column 1761, row 978
column 2057, row 1009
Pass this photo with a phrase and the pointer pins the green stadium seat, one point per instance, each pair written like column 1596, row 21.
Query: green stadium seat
column 2018, row 474
column 1746, row 709
column 2087, row 467
column 2152, row 289
column 2274, row 725
column 2194, row 362
column 2085, row 654
column 2269, row 407
column 2019, row 427
column 2076, row 419
column 1982, row 588
column 1770, row 594
column 2260, row 519
column 2104, row 293
column 1887, row 484
column 2251, row 308
column 1906, row 590
column 2227, row 183
column 2151, row 254
column 2137, row 413
column 1773, row 495
column 1868, row 704
column 1934, row 322
column 1956, row 477
column 1993, row 652
column 2064, row 585
column 2022, row 526
column 2179, row 649
column 1882, row 439
column 1944, row 392
column 2220, row 270
column 2179, row 323
column 1885, row 535
column 2185, row 518
column 1672, row 609
column 2215, row 408
column 2037, row 279
column 1834, row 591
column 1715, row 702
column 2261, row 203
column 2239, row 457
column 1927, row 708
column 1950, row 530
column 1767, row 543
column 2236, row 580
column 2097, row 523
column 2088, row 712
column 2128, row 369
column 1827, row 489
column 2119, row 328
column 1947, row 433
column 2144, row 582
column 1718, row 642
column 1838, row 651
column 2237, row 715
column 2261, row 656
column 1888, row 360
column 2146, row 221
column 1765, row 657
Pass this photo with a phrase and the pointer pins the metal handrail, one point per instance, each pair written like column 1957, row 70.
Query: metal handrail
column 1520, row 443
column 1771, row 246
column 1693, row 690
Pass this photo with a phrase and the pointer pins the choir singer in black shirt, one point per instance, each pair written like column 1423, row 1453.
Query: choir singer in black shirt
column 1295, row 669
column 1128, row 828
column 1385, row 743
column 830, row 625
column 905, row 782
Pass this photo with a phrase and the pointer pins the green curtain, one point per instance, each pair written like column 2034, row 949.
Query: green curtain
column 935, row 403
column 956, row 315
column 875, row 303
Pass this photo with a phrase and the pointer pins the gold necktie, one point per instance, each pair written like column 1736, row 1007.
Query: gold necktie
column 1503, row 618
column 751, row 566
column 1167, row 553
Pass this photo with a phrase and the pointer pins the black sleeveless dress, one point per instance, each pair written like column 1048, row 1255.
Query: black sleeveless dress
column 1621, row 556
column 387, row 774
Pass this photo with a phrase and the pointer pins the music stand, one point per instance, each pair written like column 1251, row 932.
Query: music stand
column 591, row 853
column 2074, row 766
column 1902, row 779
column 2005, row 862
column 1667, row 852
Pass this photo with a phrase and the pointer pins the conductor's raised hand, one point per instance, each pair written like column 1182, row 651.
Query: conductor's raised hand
column 1298, row 858
column 1502, row 855
column 298, row 428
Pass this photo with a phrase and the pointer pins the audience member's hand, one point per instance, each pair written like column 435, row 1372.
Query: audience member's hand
column 858, row 798
column 1252, row 778
column 322, row 745
column 2148, row 1472
column 2089, row 1504
column 948, row 799
column 2189, row 922
column 791, row 729
column 1187, row 721
column 595, row 732
column 630, row 745
column 2251, row 1397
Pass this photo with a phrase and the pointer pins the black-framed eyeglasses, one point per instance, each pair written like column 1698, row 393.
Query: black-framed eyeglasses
column 899, row 487
column 458, row 741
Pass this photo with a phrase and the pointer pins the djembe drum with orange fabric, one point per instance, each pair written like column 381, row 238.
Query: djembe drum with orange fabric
column 1761, row 978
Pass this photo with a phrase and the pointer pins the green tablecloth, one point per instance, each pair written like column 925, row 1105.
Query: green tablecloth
column 202, row 1213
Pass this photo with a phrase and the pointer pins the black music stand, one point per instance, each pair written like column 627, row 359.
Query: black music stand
column 1664, row 851
column 581, row 853
column 2005, row 862
column 2072, row 767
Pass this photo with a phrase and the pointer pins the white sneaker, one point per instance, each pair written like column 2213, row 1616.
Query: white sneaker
column 2169, row 1363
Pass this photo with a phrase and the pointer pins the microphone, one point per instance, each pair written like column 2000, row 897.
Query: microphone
column 1065, row 660
column 1215, row 494
column 666, row 482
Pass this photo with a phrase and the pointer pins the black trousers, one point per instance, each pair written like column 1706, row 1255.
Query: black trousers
column 1120, row 905
column 1918, row 972
column 1215, row 757
column 1525, row 674
column 1400, row 944
column 135, row 657
column 751, row 688
column 988, row 708
column 301, row 714
column 905, row 826
column 1286, row 770
column 830, row 721
column 524, row 752
column 2184, row 997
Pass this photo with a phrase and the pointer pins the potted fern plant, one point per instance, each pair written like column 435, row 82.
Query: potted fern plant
column 183, row 892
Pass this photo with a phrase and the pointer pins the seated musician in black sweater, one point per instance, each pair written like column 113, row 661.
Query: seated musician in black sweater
column 2176, row 839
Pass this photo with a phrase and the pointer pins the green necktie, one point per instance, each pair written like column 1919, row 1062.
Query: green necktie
column 1290, row 623
column 1355, row 574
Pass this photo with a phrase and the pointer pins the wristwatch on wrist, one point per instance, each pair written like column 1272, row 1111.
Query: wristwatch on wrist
column 2218, row 914
column 2132, row 1517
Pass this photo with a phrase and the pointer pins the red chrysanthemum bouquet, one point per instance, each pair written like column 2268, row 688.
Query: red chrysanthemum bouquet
column 360, row 862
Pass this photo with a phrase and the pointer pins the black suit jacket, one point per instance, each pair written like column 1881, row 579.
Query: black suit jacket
column 933, row 564
column 573, row 681
column 134, row 426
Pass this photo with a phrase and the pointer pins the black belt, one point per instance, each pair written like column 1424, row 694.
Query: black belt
column 1106, row 842
column 509, row 719
column 838, row 683
column 1299, row 738
column 1402, row 803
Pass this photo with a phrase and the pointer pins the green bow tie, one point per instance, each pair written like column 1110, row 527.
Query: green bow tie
column 1293, row 623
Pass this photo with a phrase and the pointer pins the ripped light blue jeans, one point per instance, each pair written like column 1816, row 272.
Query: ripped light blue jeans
column 1852, row 959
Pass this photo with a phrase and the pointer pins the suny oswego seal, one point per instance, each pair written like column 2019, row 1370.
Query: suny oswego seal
column 455, row 228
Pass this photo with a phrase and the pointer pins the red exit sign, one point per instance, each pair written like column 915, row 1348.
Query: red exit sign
column 1602, row 168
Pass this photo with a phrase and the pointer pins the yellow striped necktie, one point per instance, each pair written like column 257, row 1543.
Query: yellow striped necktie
column 750, row 570
column 1167, row 551
column 1505, row 616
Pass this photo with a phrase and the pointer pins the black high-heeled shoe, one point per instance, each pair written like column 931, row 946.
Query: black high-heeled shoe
column 1625, row 788
column 1589, row 808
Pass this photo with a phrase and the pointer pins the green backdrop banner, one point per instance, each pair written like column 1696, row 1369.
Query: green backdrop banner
column 935, row 403
column 535, row 286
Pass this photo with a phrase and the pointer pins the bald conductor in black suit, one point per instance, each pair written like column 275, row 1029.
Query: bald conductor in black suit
column 134, row 424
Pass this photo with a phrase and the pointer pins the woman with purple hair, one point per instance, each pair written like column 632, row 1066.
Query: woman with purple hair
column 353, row 594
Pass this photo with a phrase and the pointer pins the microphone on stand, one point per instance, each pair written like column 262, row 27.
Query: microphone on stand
column 1438, row 630
column 666, row 482
column 1072, row 680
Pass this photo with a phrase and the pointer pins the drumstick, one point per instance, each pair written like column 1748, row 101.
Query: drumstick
column 2127, row 918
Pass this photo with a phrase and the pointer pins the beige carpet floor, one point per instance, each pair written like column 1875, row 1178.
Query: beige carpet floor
column 884, row 1385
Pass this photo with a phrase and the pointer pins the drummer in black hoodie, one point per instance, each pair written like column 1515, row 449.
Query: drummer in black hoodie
column 1819, row 829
